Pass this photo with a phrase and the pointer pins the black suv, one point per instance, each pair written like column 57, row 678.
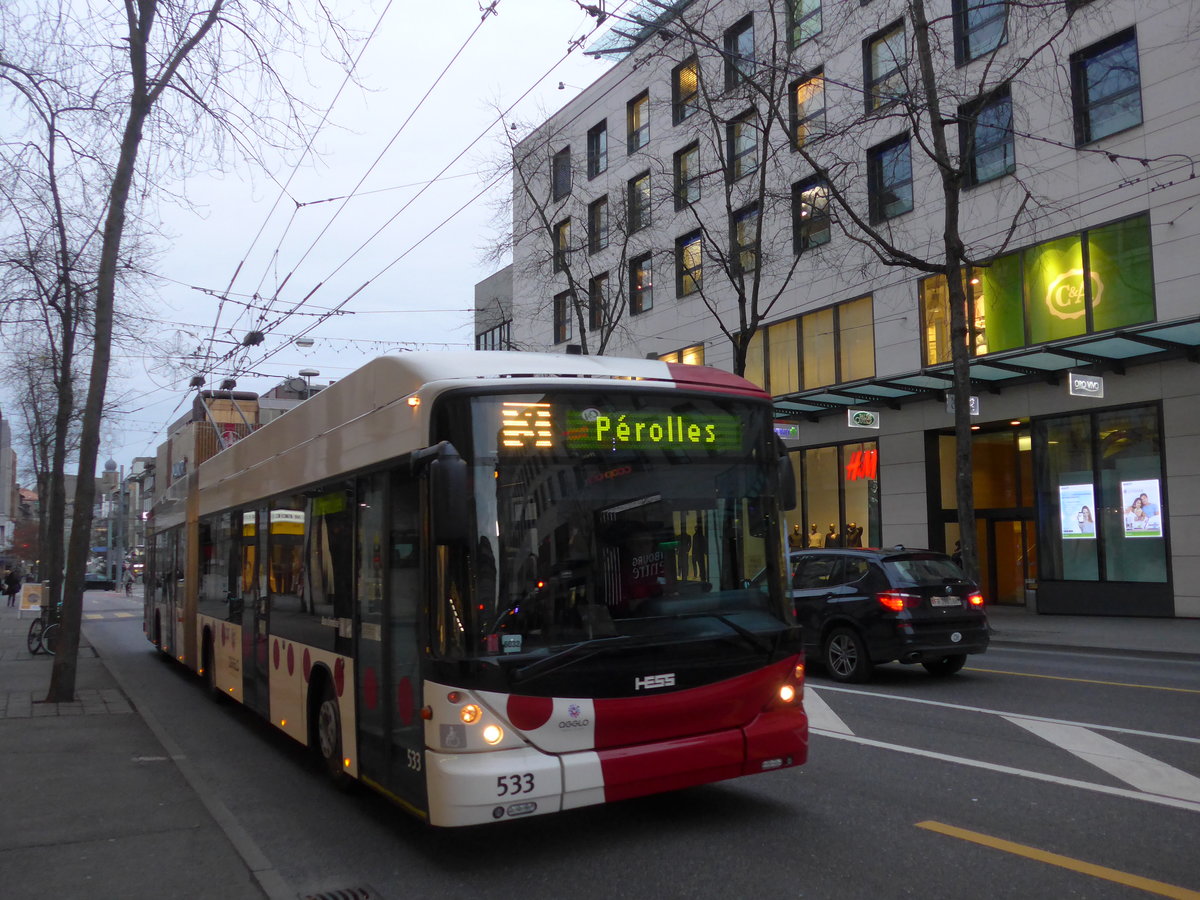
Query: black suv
column 860, row 607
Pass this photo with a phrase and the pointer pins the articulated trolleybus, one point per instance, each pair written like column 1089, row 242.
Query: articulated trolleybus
column 492, row 585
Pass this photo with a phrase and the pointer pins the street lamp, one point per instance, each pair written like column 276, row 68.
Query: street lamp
column 307, row 375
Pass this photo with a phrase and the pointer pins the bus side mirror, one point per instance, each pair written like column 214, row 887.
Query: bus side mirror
column 787, row 477
column 449, row 497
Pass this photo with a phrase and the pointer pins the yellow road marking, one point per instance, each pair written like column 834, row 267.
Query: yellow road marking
column 1148, row 687
column 1076, row 865
column 93, row 615
column 124, row 615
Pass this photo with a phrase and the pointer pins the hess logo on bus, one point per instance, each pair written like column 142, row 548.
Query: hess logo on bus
column 650, row 682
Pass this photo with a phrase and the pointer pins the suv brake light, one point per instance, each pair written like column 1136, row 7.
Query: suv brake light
column 896, row 601
column 976, row 599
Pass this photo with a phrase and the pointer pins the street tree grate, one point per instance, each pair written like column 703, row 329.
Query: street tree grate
column 359, row 892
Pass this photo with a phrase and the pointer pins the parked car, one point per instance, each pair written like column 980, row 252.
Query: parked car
column 96, row 581
column 860, row 607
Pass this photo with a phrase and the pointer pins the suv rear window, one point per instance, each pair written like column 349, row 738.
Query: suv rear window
column 916, row 571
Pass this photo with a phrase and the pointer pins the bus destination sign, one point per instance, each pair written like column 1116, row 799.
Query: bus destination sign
column 591, row 429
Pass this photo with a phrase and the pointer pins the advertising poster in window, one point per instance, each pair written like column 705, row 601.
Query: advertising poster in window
column 1077, row 509
column 1142, row 503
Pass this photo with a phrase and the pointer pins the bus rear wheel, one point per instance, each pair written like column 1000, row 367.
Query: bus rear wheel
column 328, row 733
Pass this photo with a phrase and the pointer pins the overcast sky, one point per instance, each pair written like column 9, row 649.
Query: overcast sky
column 420, row 277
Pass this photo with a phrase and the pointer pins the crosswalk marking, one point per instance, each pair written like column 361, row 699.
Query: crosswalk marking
column 1136, row 769
column 820, row 716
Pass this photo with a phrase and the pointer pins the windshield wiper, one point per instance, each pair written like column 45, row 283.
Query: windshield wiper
column 574, row 653
column 756, row 641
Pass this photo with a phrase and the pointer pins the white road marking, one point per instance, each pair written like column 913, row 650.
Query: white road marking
column 1137, row 769
column 1004, row 713
column 820, row 716
column 1189, row 805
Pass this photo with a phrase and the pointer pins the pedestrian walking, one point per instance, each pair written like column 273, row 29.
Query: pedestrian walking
column 12, row 585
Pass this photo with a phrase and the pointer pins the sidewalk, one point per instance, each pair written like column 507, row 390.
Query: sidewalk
column 94, row 806
column 1168, row 637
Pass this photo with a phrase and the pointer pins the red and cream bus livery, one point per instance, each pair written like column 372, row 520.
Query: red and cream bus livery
column 492, row 585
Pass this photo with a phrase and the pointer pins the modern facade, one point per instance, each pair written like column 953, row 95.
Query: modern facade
column 755, row 186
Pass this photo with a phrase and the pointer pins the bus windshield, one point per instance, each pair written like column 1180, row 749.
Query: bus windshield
column 607, row 518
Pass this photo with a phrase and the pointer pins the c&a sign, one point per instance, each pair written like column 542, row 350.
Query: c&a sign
column 1065, row 295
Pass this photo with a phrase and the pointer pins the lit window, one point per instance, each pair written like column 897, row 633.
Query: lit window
column 641, row 285
column 685, row 90
column 562, row 245
column 810, row 214
column 745, row 239
column 688, row 264
column 808, row 108
column 688, row 356
column 638, row 114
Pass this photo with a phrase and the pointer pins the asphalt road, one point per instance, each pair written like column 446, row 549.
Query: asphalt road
column 1032, row 773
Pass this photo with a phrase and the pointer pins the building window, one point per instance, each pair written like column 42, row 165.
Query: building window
column 986, row 137
column 884, row 59
column 742, row 145
column 560, row 173
column 980, row 26
column 807, row 101
column 745, row 239
column 1107, row 87
column 739, row 52
column 641, row 285
column 685, row 90
column 498, row 337
column 1089, row 282
column 562, row 245
column 564, row 315
column 598, row 225
column 838, row 344
column 638, row 115
column 810, row 214
column 597, row 149
column 639, row 202
column 889, row 179
column 687, row 176
column 805, row 19
column 1100, row 480
column 688, row 356
column 597, row 301
column 688, row 264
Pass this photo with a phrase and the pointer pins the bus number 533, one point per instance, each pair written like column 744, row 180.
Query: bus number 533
column 514, row 784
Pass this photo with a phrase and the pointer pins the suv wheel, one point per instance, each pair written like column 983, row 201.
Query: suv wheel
column 945, row 666
column 845, row 656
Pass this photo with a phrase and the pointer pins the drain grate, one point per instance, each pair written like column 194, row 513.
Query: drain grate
column 358, row 892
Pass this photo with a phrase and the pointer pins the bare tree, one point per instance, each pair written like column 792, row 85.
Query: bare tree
column 152, row 80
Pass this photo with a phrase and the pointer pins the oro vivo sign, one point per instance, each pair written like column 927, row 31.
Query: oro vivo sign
column 1085, row 385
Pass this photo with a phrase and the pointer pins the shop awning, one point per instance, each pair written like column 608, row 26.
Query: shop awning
column 1110, row 351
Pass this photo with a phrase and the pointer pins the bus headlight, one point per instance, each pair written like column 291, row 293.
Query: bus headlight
column 787, row 693
column 493, row 734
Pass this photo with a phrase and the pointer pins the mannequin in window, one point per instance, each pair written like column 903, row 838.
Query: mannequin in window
column 815, row 538
column 796, row 539
column 853, row 535
column 832, row 538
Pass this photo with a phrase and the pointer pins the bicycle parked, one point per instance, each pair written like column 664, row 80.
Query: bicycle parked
column 43, row 633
